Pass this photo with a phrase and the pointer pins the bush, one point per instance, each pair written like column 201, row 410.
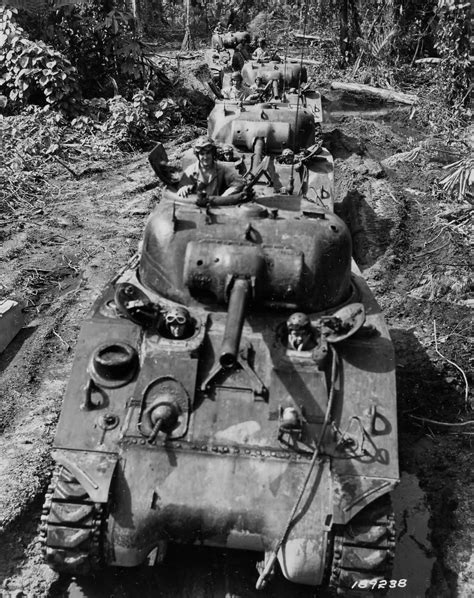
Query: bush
column 141, row 122
column 33, row 72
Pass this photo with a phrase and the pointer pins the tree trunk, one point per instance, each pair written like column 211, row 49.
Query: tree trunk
column 188, row 43
column 385, row 94
column 344, row 28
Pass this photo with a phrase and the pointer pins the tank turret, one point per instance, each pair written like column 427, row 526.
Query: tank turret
column 188, row 257
column 288, row 73
column 229, row 39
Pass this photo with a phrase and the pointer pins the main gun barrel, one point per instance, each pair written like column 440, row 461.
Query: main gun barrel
column 234, row 322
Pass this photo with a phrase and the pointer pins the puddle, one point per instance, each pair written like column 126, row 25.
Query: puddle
column 414, row 557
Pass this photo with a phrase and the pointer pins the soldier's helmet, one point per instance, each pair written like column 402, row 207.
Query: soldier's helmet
column 204, row 143
column 287, row 153
column 228, row 148
column 298, row 322
column 236, row 76
column 177, row 322
column 177, row 315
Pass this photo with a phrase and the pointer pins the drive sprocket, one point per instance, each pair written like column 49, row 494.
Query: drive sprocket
column 72, row 526
column 363, row 551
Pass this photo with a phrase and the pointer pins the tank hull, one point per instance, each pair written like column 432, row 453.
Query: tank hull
column 225, row 479
column 225, row 433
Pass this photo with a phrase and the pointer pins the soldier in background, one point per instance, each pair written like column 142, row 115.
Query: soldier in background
column 238, row 59
column 261, row 52
column 237, row 90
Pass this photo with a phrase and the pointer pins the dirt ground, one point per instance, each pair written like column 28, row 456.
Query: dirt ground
column 409, row 239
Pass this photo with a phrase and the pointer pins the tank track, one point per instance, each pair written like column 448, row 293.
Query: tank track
column 72, row 527
column 363, row 551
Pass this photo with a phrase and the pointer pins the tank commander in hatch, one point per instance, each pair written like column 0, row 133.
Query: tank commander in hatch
column 227, row 153
column 177, row 323
column 287, row 156
column 300, row 333
column 237, row 90
column 208, row 178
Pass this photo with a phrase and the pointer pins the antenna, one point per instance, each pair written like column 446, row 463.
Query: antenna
column 292, row 179
column 286, row 52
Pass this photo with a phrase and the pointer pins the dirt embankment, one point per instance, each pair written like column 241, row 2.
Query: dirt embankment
column 411, row 243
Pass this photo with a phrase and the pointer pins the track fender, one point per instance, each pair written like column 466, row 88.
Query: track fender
column 353, row 493
column 94, row 471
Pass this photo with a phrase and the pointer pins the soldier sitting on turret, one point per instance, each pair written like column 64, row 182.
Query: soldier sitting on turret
column 300, row 333
column 261, row 54
column 219, row 28
column 208, row 178
column 237, row 91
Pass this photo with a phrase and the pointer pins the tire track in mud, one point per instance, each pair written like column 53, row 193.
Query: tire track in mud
column 102, row 228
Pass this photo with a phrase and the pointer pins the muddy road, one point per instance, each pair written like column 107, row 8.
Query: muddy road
column 56, row 257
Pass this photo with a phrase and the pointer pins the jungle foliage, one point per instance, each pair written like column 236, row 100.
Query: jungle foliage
column 60, row 53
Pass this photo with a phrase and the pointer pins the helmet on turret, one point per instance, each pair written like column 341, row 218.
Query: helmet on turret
column 228, row 152
column 204, row 143
column 287, row 156
column 298, row 322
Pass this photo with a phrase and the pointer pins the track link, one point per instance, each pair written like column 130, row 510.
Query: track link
column 363, row 551
column 72, row 526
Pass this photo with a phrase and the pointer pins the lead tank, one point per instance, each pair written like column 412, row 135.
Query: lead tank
column 226, row 435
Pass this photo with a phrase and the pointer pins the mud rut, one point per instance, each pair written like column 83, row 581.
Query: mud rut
column 80, row 242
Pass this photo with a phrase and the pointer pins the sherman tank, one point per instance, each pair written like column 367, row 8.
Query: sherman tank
column 191, row 417
column 276, row 144
column 284, row 74
column 229, row 39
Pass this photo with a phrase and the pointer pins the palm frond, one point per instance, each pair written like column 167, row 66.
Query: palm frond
column 461, row 177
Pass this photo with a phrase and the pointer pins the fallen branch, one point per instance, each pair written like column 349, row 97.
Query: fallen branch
column 385, row 94
column 466, row 383
column 433, row 250
column 67, row 345
column 445, row 425
column 73, row 172
column 430, row 60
